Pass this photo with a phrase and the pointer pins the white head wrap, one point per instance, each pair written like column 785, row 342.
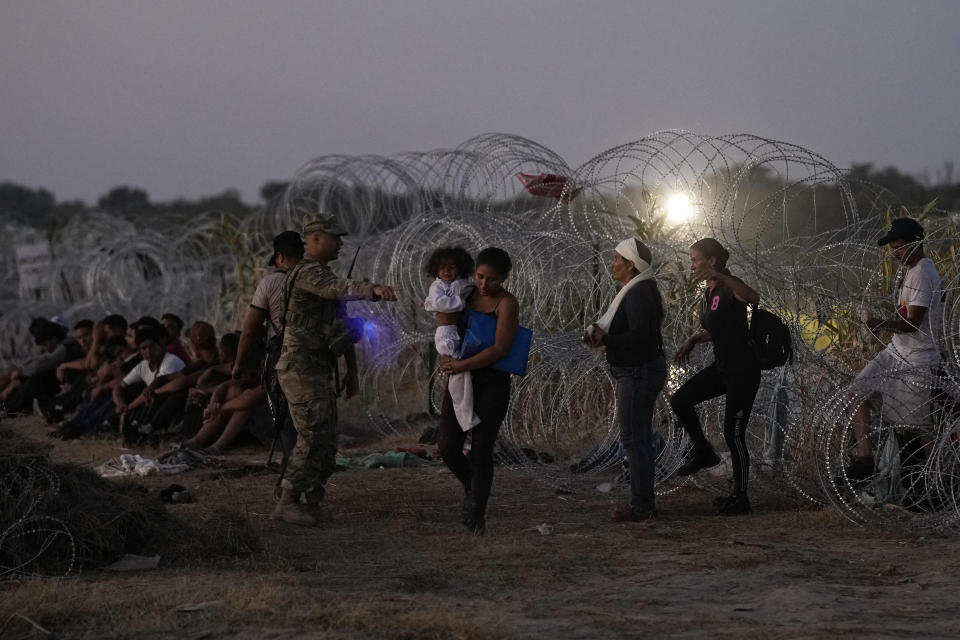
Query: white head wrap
column 627, row 249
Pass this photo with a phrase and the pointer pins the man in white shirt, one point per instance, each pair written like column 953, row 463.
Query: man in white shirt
column 914, row 349
column 152, row 371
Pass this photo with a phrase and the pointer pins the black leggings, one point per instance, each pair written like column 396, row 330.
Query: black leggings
column 740, row 389
column 491, row 395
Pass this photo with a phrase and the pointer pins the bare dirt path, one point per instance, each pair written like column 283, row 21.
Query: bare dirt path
column 390, row 560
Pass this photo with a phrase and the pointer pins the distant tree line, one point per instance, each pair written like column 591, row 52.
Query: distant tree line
column 40, row 208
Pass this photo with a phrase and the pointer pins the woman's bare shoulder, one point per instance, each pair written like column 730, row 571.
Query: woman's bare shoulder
column 509, row 304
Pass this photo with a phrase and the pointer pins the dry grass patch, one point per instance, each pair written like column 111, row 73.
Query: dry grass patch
column 211, row 534
column 255, row 597
column 394, row 622
column 823, row 518
column 54, row 598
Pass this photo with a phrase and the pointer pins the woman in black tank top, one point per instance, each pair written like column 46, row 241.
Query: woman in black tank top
column 734, row 373
column 491, row 389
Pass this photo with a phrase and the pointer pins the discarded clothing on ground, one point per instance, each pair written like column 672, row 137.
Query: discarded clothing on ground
column 387, row 460
column 176, row 461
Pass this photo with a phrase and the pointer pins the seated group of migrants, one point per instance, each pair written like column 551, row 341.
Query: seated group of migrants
column 281, row 373
column 139, row 380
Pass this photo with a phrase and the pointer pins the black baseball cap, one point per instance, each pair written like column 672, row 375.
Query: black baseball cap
column 906, row 229
column 286, row 243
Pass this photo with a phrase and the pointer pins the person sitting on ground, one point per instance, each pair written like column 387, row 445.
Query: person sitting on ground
column 131, row 358
column 97, row 409
column 198, row 396
column 83, row 333
column 169, row 399
column 14, row 372
column 37, row 378
column 116, row 351
column 203, row 341
column 156, row 366
column 173, row 327
column 236, row 404
column 131, row 337
column 72, row 375
column 110, row 327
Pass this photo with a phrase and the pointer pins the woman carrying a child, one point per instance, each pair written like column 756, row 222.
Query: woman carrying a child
column 491, row 388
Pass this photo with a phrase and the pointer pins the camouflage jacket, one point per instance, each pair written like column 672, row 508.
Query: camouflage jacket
column 314, row 332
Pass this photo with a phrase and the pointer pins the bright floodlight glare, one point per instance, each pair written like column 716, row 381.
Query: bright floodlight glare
column 678, row 208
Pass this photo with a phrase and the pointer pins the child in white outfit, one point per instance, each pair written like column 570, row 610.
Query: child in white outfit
column 451, row 268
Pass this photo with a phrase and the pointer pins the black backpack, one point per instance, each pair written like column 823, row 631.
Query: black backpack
column 770, row 339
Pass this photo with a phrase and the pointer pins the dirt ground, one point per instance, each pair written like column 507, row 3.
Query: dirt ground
column 390, row 560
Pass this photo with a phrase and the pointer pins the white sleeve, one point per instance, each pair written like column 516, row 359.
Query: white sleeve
column 170, row 364
column 136, row 374
column 442, row 299
column 261, row 299
column 921, row 289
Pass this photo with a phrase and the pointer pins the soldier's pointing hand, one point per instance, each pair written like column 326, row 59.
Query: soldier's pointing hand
column 385, row 292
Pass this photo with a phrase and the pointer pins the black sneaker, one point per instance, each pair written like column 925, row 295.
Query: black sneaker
column 734, row 505
column 698, row 461
column 473, row 517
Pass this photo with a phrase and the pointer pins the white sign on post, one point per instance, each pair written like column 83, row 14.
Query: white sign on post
column 34, row 263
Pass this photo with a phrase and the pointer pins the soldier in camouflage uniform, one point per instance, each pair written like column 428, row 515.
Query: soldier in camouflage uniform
column 314, row 337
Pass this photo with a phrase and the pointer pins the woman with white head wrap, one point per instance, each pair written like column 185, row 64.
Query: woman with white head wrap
column 630, row 332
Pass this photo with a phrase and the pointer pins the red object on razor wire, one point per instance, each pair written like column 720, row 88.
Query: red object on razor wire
column 549, row 185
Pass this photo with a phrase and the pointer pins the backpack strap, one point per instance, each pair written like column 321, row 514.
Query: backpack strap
column 288, row 285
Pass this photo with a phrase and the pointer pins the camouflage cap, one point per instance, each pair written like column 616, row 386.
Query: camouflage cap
column 323, row 222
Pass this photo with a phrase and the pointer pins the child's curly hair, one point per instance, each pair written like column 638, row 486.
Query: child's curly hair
column 458, row 255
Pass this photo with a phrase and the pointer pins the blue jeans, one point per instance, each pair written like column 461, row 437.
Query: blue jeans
column 637, row 390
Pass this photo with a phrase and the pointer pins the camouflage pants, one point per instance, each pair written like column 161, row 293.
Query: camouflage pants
column 313, row 411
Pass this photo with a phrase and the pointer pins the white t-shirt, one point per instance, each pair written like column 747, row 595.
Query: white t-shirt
column 921, row 288
column 269, row 298
column 447, row 297
column 143, row 373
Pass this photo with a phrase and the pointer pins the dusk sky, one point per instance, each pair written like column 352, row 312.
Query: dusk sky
column 193, row 97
